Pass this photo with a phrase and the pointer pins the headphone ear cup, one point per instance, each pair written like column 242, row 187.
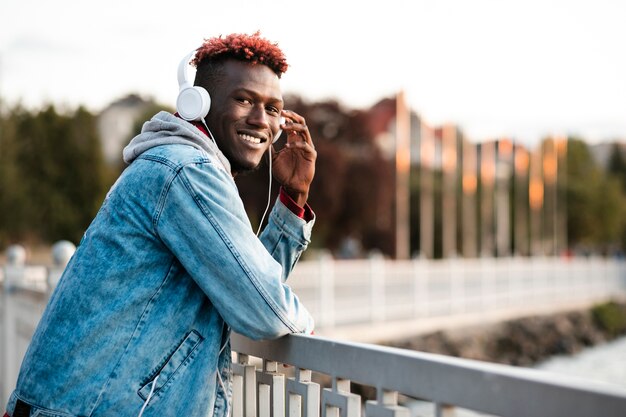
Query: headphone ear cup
column 280, row 131
column 193, row 103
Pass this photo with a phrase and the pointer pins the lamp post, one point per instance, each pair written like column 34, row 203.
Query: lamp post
column 427, row 201
column 469, row 184
column 449, row 170
column 487, row 178
column 403, row 167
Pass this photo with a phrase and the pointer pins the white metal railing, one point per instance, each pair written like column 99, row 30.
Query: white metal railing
column 399, row 378
column 375, row 290
column 24, row 291
column 405, row 289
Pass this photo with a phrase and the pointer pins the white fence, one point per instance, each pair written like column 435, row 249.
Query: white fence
column 374, row 291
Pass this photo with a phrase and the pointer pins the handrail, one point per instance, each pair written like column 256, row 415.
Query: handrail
column 480, row 386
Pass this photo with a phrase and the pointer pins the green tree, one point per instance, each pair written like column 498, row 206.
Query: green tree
column 617, row 168
column 87, row 178
column 617, row 164
column 13, row 195
column 53, row 178
column 594, row 201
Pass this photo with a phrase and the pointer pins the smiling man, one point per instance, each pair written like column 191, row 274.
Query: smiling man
column 139, row 324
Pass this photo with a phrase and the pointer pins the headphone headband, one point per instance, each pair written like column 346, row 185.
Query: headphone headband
column 183, row 70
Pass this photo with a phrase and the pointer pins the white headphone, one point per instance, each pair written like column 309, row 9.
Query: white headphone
column 194, row 102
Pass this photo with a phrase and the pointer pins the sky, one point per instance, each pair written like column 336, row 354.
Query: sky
column 520, row 69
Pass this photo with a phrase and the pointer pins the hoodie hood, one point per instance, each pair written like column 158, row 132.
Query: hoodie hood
column 165, row 129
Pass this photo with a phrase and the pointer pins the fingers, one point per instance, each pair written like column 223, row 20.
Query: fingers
column 300, row 144
column 294, row 117
column 296, row 128
column 304, row 150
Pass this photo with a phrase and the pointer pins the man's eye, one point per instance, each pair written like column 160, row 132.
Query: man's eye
column 244, row 100
column 273, row 110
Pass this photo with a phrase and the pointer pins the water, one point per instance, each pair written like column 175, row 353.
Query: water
column 603, row 365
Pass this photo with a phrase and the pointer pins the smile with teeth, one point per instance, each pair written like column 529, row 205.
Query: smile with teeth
column 250, row 139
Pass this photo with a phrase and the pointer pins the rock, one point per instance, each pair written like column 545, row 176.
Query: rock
column 522, row 342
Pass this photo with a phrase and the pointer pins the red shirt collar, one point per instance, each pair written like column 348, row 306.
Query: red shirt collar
column 196, row 123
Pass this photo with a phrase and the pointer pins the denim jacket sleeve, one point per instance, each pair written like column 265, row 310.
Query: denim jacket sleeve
column 285, row 232
column 201, row 219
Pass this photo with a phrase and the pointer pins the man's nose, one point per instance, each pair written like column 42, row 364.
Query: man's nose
column 258, row 117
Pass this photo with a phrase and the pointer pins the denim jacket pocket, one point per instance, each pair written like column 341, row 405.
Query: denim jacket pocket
column 180, row 358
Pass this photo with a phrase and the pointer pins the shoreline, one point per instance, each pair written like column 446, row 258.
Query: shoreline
column 528, row 340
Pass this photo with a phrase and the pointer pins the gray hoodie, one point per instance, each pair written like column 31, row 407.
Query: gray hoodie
column 164, row 129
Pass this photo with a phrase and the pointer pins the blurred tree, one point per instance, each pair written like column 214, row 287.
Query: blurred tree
column 55, row 176
column 13, row 195
column 609, row 209
column 594, row 201
column 617, row 164
column 53, row 179
column 89, row 178
column 617, row 168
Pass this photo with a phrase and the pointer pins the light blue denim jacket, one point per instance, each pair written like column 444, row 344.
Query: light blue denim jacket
column 168, row 266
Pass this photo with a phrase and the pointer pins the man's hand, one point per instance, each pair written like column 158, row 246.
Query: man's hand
column 294, row 165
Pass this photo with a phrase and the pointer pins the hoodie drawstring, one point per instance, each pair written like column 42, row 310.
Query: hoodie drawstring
column 149, row 396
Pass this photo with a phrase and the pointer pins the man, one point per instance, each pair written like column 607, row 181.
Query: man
column 140, row 321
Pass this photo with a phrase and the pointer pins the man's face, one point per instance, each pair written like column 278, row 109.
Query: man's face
column 246, row 105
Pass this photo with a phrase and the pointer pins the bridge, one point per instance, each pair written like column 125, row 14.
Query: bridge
column 378, row 299
column 375, row 299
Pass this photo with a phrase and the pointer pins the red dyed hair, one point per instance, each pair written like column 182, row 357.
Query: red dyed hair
column 243, row 47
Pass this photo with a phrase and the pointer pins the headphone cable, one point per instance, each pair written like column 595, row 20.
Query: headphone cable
column 269, row 189
column 269, row 192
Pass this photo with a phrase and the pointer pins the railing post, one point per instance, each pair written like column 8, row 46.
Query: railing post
column 339, row 401
column 485, row 300
column 271, row 391
column 62, row 252
column 13, row 273
column 377, row 287
column 444, row 410
column 303, row 396
column 606, row 287
column 509, row 278
column 386, row 405
column 552, row 292
column 457, row 287
column 244, row 387
column 570, row 278
column 506, row 272
column 327, row 291
column 421, row 277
